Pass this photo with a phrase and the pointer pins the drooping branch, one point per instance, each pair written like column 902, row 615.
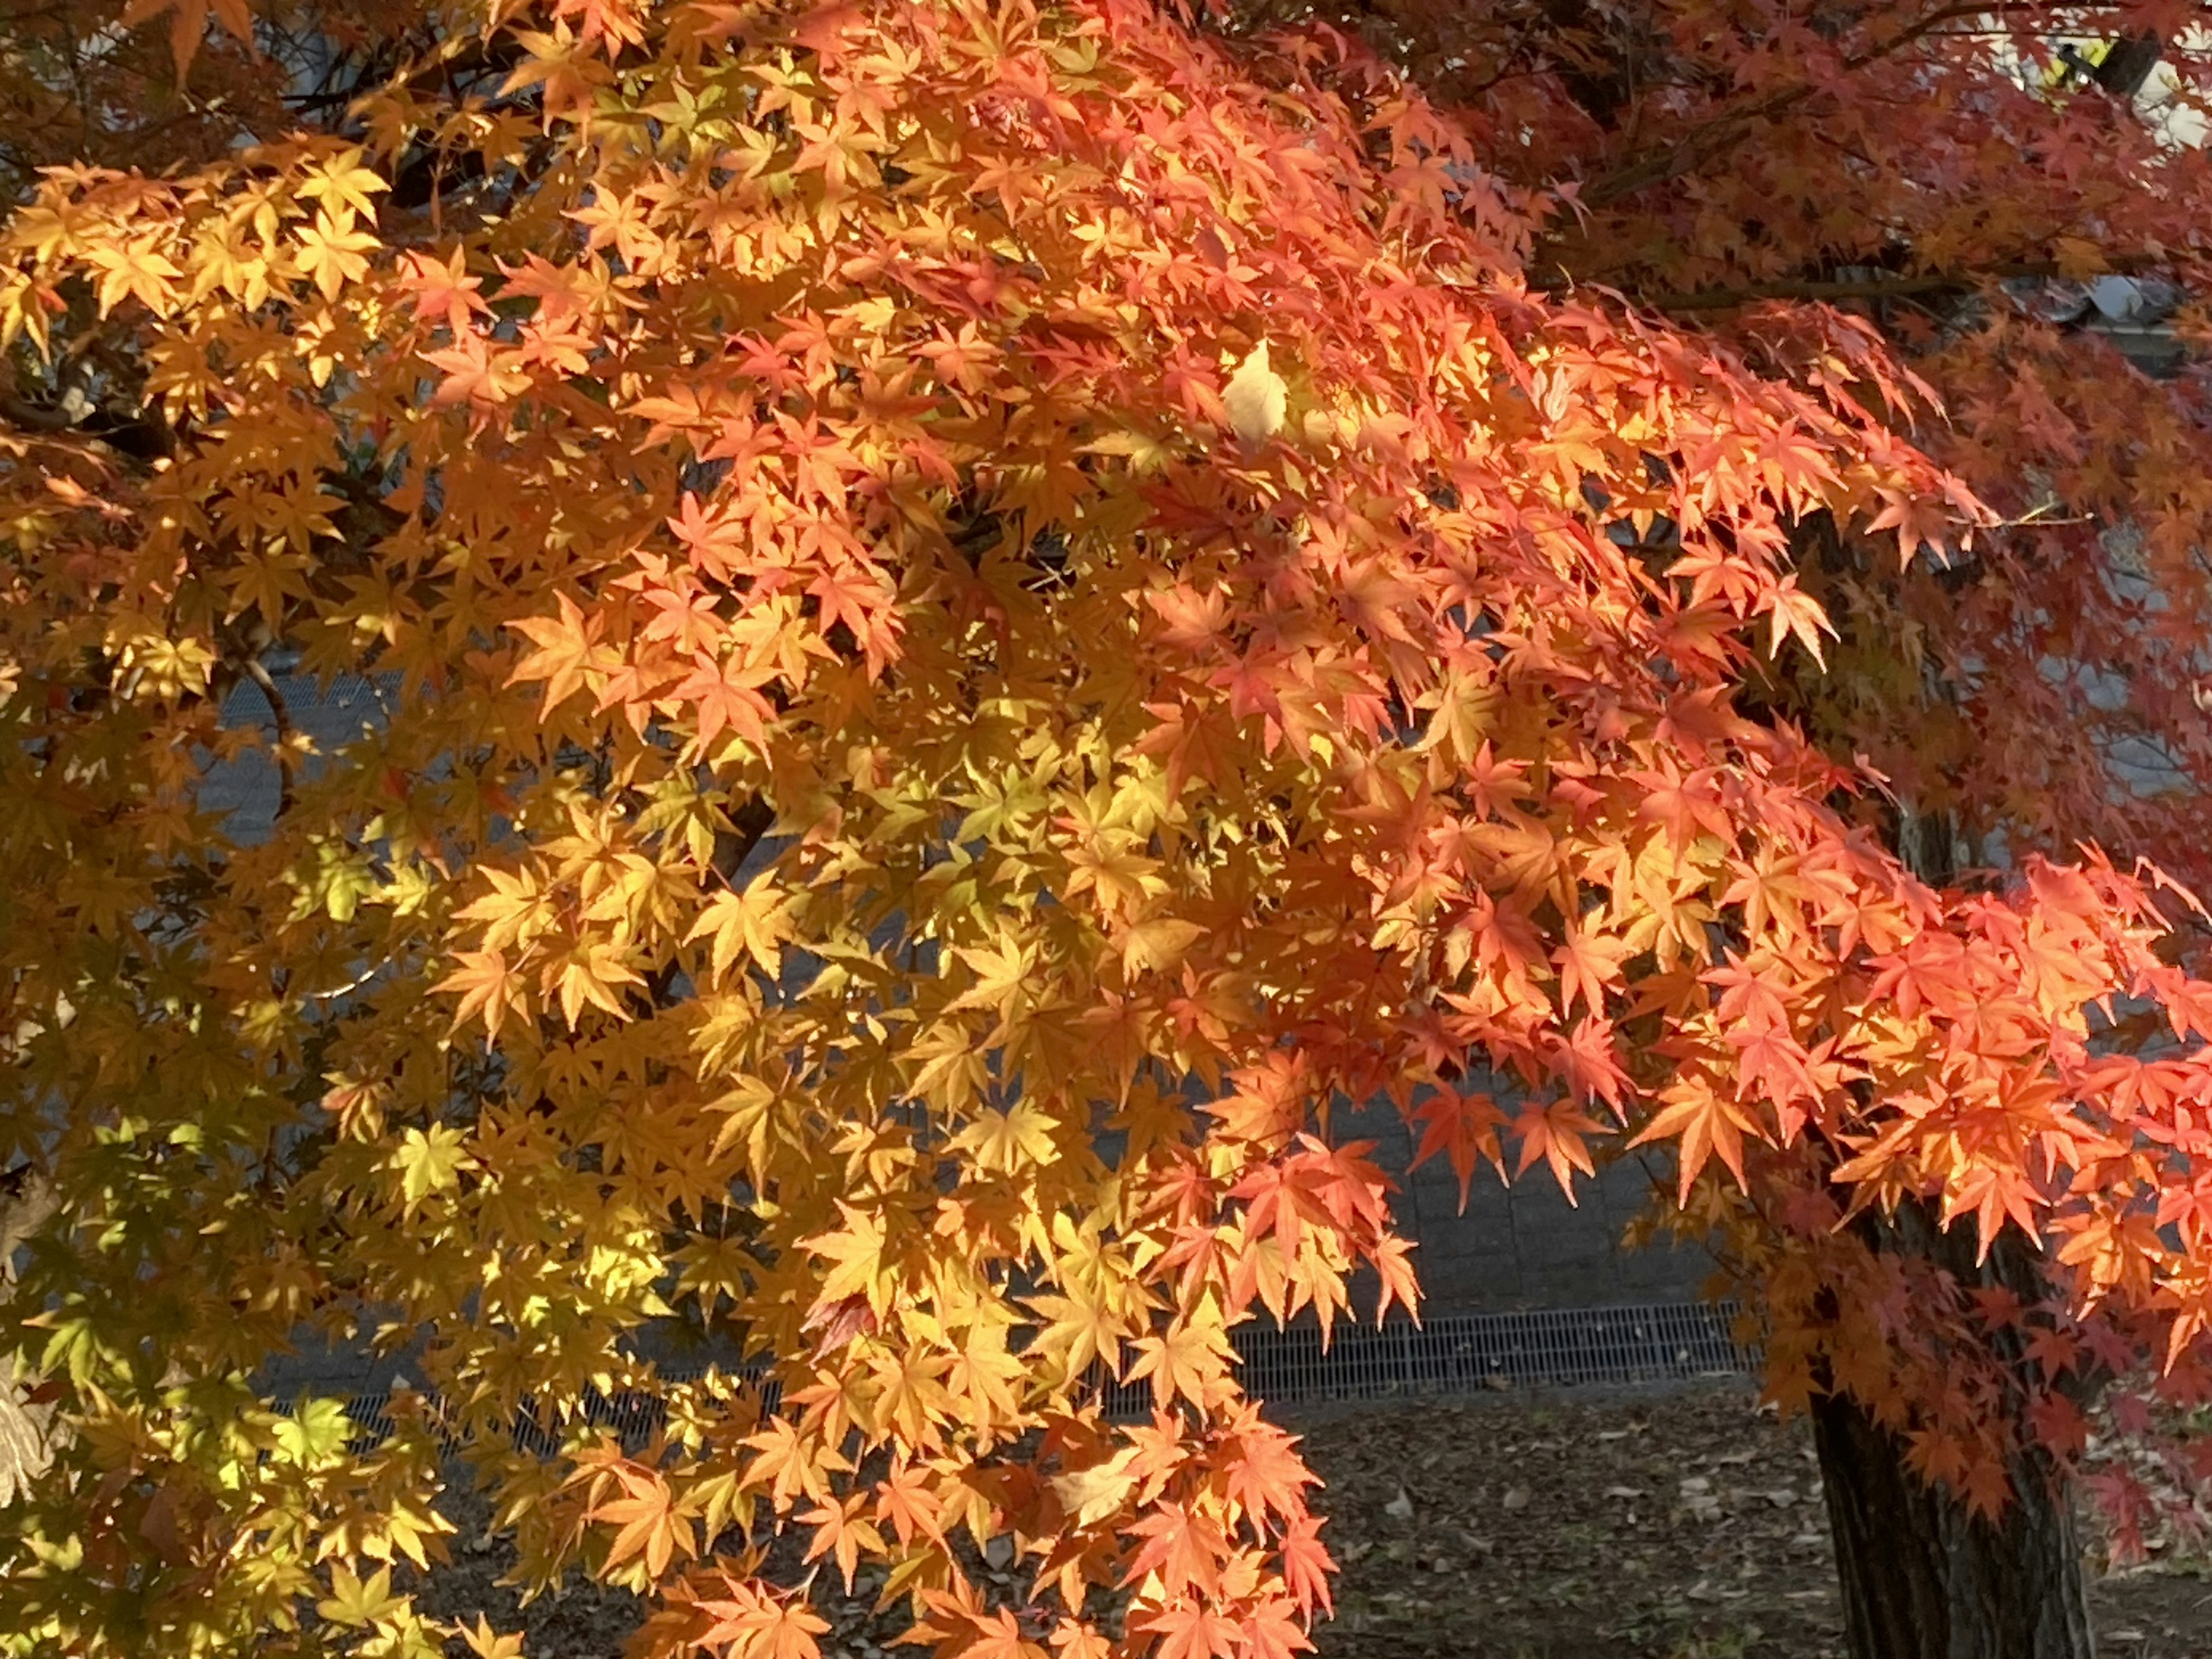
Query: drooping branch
column 1727, row 128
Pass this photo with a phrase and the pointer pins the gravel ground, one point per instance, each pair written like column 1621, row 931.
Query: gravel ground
column 1679, row 1523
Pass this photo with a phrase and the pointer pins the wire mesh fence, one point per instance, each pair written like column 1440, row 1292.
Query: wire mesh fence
column 1454, row 1354
column 1462, row 1354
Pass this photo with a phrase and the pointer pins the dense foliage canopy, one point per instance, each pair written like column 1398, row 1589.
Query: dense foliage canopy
column 981, row 610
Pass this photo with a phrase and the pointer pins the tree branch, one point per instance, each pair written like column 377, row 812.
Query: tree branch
column 1727, row 128
column 1884, row 288
column 286, row 756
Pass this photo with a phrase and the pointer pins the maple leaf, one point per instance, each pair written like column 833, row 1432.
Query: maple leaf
column 1008, row 1142
column 1188, row 1630
column 1554, row 1132
column 720, row 700
column 487, row 988
column 137, row 271
column 1702, row 1121
column 1588, row 964
column 331, row 255
column 649, row 1526
column 1995, row 1194
column 716, row 540
column 355, row 1603
column 1073, row 1639
column 749, row 1623
column 1255, row 399
column 1271, row 1632
column 1796, row 615
column 1264, row 1471
column 430, row 1162
column 789, row 1463
column 753, row 924
column 1189, row 1360
column 443, row 290
column 905, row 1503
column 856, row 1251
column 839, row 1532
column 1918, row 523
column 565, row 652
column 1183, row 1550
column 188, row 24
column 1307, row 1565
column 344, row 186
column 486, row 1643
column 1157, row 945
column 1100, row 1492
column 1391, row 1258
column 1000, row 975
column 1082, row 1328
column 823, row 29
column 474, row 377
column 591, row 974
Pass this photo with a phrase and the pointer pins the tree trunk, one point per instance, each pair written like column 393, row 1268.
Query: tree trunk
column 1923, row 1579
column 1921, row 1576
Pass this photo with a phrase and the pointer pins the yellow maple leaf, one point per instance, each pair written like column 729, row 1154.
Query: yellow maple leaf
column 430, row 1162
column 486, row 1643
column 1158, row 943
column 1190, row 1359
column 1006, row 1143
column 1256, row 400
column 857, row 1251
column 755, row 922
column 344, row 186
column 188, row 24
column 1097, row 1493
column 332, row 254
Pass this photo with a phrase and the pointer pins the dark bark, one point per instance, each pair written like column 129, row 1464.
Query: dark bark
column 1921, row 1576
column 2128, row 64
column 1922, row 1579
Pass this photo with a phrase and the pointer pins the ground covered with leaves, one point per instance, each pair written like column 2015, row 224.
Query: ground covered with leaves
column 1677, row 1523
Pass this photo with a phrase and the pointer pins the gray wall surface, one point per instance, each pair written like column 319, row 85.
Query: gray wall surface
column 1524, row 1246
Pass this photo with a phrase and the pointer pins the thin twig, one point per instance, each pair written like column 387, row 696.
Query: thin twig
column 286, row 759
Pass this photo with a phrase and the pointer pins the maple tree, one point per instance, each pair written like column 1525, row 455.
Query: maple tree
column 985, row 608
column 1958, row 177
